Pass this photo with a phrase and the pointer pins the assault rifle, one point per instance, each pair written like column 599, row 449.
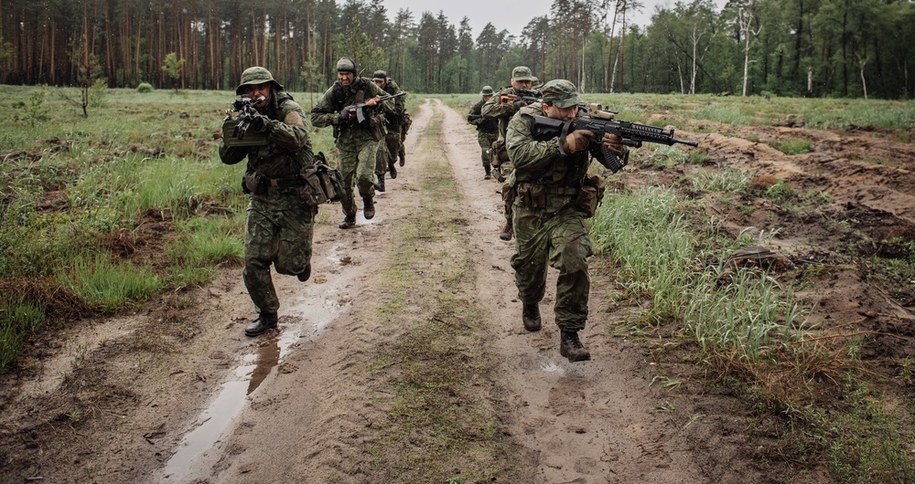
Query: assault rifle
column 633, row 134
column 239, row 119
column 358, row 108
column 526, row 95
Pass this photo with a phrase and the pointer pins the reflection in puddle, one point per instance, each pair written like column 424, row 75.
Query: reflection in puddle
column 307, row 317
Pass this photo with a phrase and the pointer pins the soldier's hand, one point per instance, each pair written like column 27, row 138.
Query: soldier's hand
column 372, row 101
column 577, row 141
column 613, row 142
column 259, row 122
column 345, row 115
column 505, row 99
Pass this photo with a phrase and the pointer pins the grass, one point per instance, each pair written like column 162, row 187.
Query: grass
column 435, row 426
column 749, row 329
column 18, row 318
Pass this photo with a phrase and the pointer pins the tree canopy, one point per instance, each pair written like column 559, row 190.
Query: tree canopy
column 843, row 48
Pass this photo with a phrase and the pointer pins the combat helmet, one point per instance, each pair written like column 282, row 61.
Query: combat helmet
column 487, row 91
column 380, row 75
column 256, row 75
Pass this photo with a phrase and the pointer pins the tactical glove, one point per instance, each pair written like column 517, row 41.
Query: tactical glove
column 577, row 141
column 259, row 123
column 613, row 142
column 345, row 115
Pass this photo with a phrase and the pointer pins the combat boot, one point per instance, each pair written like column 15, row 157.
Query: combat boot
column 530, row 316
column 379, row 185
column 401, row 156
column 488, row 174
column 392, row 170
column 507, row 231
column 348, row 222
column 369, row 208
column 570, row 347
column 263, row 323
column 305, row 274
column 497, row 172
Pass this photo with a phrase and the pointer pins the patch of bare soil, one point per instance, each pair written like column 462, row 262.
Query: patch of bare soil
column 176, row 393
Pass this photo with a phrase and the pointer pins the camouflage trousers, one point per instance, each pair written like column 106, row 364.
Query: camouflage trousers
column 357, row 165
column 485, row 140
column 278, row 231
column 560, row 239
column 388, row 151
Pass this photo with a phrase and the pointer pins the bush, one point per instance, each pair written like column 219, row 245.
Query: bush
column 144, row 87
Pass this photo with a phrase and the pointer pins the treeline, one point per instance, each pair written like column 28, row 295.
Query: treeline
column 849, row 48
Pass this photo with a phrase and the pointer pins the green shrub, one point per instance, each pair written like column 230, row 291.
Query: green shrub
column 144, row 87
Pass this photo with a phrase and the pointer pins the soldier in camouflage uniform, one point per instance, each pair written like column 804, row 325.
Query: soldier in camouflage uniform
column 387, row 154
column 358, row 141
column 487, row 129
column 549, row 221
column 279, row 225
column 502, row 107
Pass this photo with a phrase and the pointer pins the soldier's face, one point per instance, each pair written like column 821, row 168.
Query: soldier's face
column 345, row 77
column 258, row 91
column 380, row 83
column 523, row 85
column 565, row 114
column 486, row 97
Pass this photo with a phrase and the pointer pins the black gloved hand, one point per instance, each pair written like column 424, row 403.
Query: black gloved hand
column 345, row 115
column 259, row 123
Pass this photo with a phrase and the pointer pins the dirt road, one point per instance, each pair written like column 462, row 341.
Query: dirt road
column 176, row 393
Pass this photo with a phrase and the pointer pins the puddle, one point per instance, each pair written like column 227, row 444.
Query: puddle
column 305, row 316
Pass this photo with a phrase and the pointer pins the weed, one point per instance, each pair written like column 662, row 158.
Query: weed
column 792, row 146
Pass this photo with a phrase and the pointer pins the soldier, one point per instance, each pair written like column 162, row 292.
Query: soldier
column 357, row 134
column 487, row 129
column 502, row 107
column 279, row 225
column 551, row 204
column 394, row 122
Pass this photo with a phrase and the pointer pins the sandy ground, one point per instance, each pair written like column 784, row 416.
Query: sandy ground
column 177, row 393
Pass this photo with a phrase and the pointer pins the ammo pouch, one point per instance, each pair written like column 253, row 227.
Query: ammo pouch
column 376, row 126
column 322, row 183
column 590, row 196
column 498, row 154
column 531, row 195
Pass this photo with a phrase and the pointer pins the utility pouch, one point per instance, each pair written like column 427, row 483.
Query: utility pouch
column 323, row 183
column 376, row 126
column 590, row 196
column 509, row 194
column 498, row 153
column 532, row 195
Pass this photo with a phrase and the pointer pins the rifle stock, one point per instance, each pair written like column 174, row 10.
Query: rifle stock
column 632, row 134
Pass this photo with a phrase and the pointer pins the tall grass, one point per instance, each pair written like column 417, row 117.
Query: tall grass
column 657, row 254
column 109, row 286
column 17, row 319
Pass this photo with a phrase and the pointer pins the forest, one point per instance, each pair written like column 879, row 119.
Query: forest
column 814, row 48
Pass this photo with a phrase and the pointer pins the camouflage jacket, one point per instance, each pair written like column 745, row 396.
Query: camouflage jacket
column 289, row 147
column 484, row 124
column 327, row 112
column 502, row 112
column 542, row 162
column 395, row 119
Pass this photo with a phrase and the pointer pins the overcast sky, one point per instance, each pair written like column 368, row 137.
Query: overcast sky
column 511, row 15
